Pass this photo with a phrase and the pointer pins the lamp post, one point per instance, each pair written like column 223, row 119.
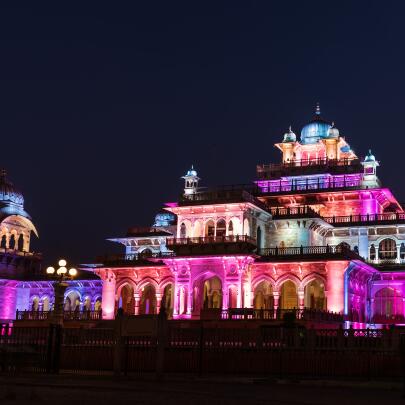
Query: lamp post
column 61, row 275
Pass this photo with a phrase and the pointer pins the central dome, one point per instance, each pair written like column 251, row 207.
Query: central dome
column 317, row 129
column 8, row 193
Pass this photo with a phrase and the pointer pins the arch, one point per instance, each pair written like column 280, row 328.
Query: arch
column 148, row 300
column 87, row 303
column 45, row 303
column 232, row 296
column 209, row 228
column 288, row 277
column 235, row 225
column 314, row 295
column 147, row 252
column 288, row 295
column 97, row 304
column 183, row 230
column 3, row 243
column 167, row 299
column 145, row 281
column 230, row 228
column 35, row 303
column 72, row 301
column 388, row 304
column 12, row 241
column 126, row 299
column 221, row 228
column 263, row 277
column 212, row 293
column 263, row 295
column 387, row 249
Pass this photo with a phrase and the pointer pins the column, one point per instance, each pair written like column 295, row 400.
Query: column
column 158, row 301
column 137, row 298
column 363, row 243
column 225, row 296
column 335, row 285
column 189, row 301
column 301, row 296
column 108, row 294
column 398, row 260
column 276, row 296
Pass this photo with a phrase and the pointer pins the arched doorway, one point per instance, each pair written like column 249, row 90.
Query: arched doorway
column 45, row 304
column 388, row 304
column 314, row 295
column 387, row 249
column 20, row 244
column 210, row 228
column 11, row 243
column 263, row 296
column 72, row 301
column 288, row 295
column 232, row 297
column 167, row 300
column 126, row 300
column 221, row 228
column 259, row 238
column 3, row 243
column 35, row 304
column 212, row 294
column 148, row 300
column 87, row 304
column 97, row 304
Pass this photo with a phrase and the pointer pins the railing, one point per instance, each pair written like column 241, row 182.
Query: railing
column 293, row 212
column 67, row 315
column 133, row 258
column 308, row 165
column 287, row 186
column 305, row 250
column 305, row 314
column 367, row 218
column 207, row 240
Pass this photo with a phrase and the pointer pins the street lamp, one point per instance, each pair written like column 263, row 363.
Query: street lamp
column 61, row 275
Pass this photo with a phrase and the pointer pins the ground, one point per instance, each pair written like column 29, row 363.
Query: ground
column 86, row 390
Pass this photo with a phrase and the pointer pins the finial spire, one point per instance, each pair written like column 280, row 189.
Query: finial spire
column 318, row 109
column 289, row 129
column 3, row 174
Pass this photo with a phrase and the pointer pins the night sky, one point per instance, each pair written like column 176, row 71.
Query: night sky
column 104, row 107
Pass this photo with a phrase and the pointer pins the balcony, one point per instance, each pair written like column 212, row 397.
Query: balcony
column 133, row 260
column 387, row 218
column 306, row 253
column 308, row 167
column 211, row 245
column 294, row 212
column 67, row 315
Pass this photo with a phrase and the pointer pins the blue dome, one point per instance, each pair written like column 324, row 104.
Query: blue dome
column 370, row 157
column 317, row 129
column 289, row 136
column 8, row 193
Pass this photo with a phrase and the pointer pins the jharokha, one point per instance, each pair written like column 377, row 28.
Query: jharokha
column 316, row 232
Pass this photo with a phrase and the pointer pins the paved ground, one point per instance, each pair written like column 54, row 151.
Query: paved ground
column 82, row 390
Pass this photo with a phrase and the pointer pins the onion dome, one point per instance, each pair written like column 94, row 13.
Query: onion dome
column 370, row 157
column 8, row 193
column 316, row 129
column 333, row 131
column 289, row 136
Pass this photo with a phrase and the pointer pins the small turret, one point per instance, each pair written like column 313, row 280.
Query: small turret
column 191, row 182
column 370, row 165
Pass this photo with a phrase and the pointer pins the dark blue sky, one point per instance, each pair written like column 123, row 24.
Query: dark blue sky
column 104, row 107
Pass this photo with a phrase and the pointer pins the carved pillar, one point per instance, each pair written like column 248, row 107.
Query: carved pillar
column 108, row 294
column 137, row 299
column 301, row 296
column 158, row 301
column 276, row 296
column 225, row 296
column 189, row 301
column 335, row 285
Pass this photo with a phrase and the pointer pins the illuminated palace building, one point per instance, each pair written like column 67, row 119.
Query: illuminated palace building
column 23, row 284
column 316, row 232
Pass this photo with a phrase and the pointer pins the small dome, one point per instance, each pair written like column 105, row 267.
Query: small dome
column 333, row 131
column 345, row 149
column 289, row 136
column 191, row 172
column 317, row 129
column 370, row 157
column 8, row 193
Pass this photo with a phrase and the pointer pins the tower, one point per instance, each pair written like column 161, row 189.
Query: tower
column 370, row 165
column 191, row 182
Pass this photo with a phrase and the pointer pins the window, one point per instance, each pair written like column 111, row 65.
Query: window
column 387, row 249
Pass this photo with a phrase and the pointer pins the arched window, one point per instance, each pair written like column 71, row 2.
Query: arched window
column 221, row 228
column 372, row 252
column 146, row 253
column 230, row 228
column 148, row 300
column 183, row 230
column 35, row 304
column 11, row 243
column 315, row 295
column 3, row 243
column 387, row 249
column 388, row 304
column 289, row 295
column 210, row 228
column 21, row 243
column 97, row 304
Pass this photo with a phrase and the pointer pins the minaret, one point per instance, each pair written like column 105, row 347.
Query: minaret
column 191, row 182
column 370, row 165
